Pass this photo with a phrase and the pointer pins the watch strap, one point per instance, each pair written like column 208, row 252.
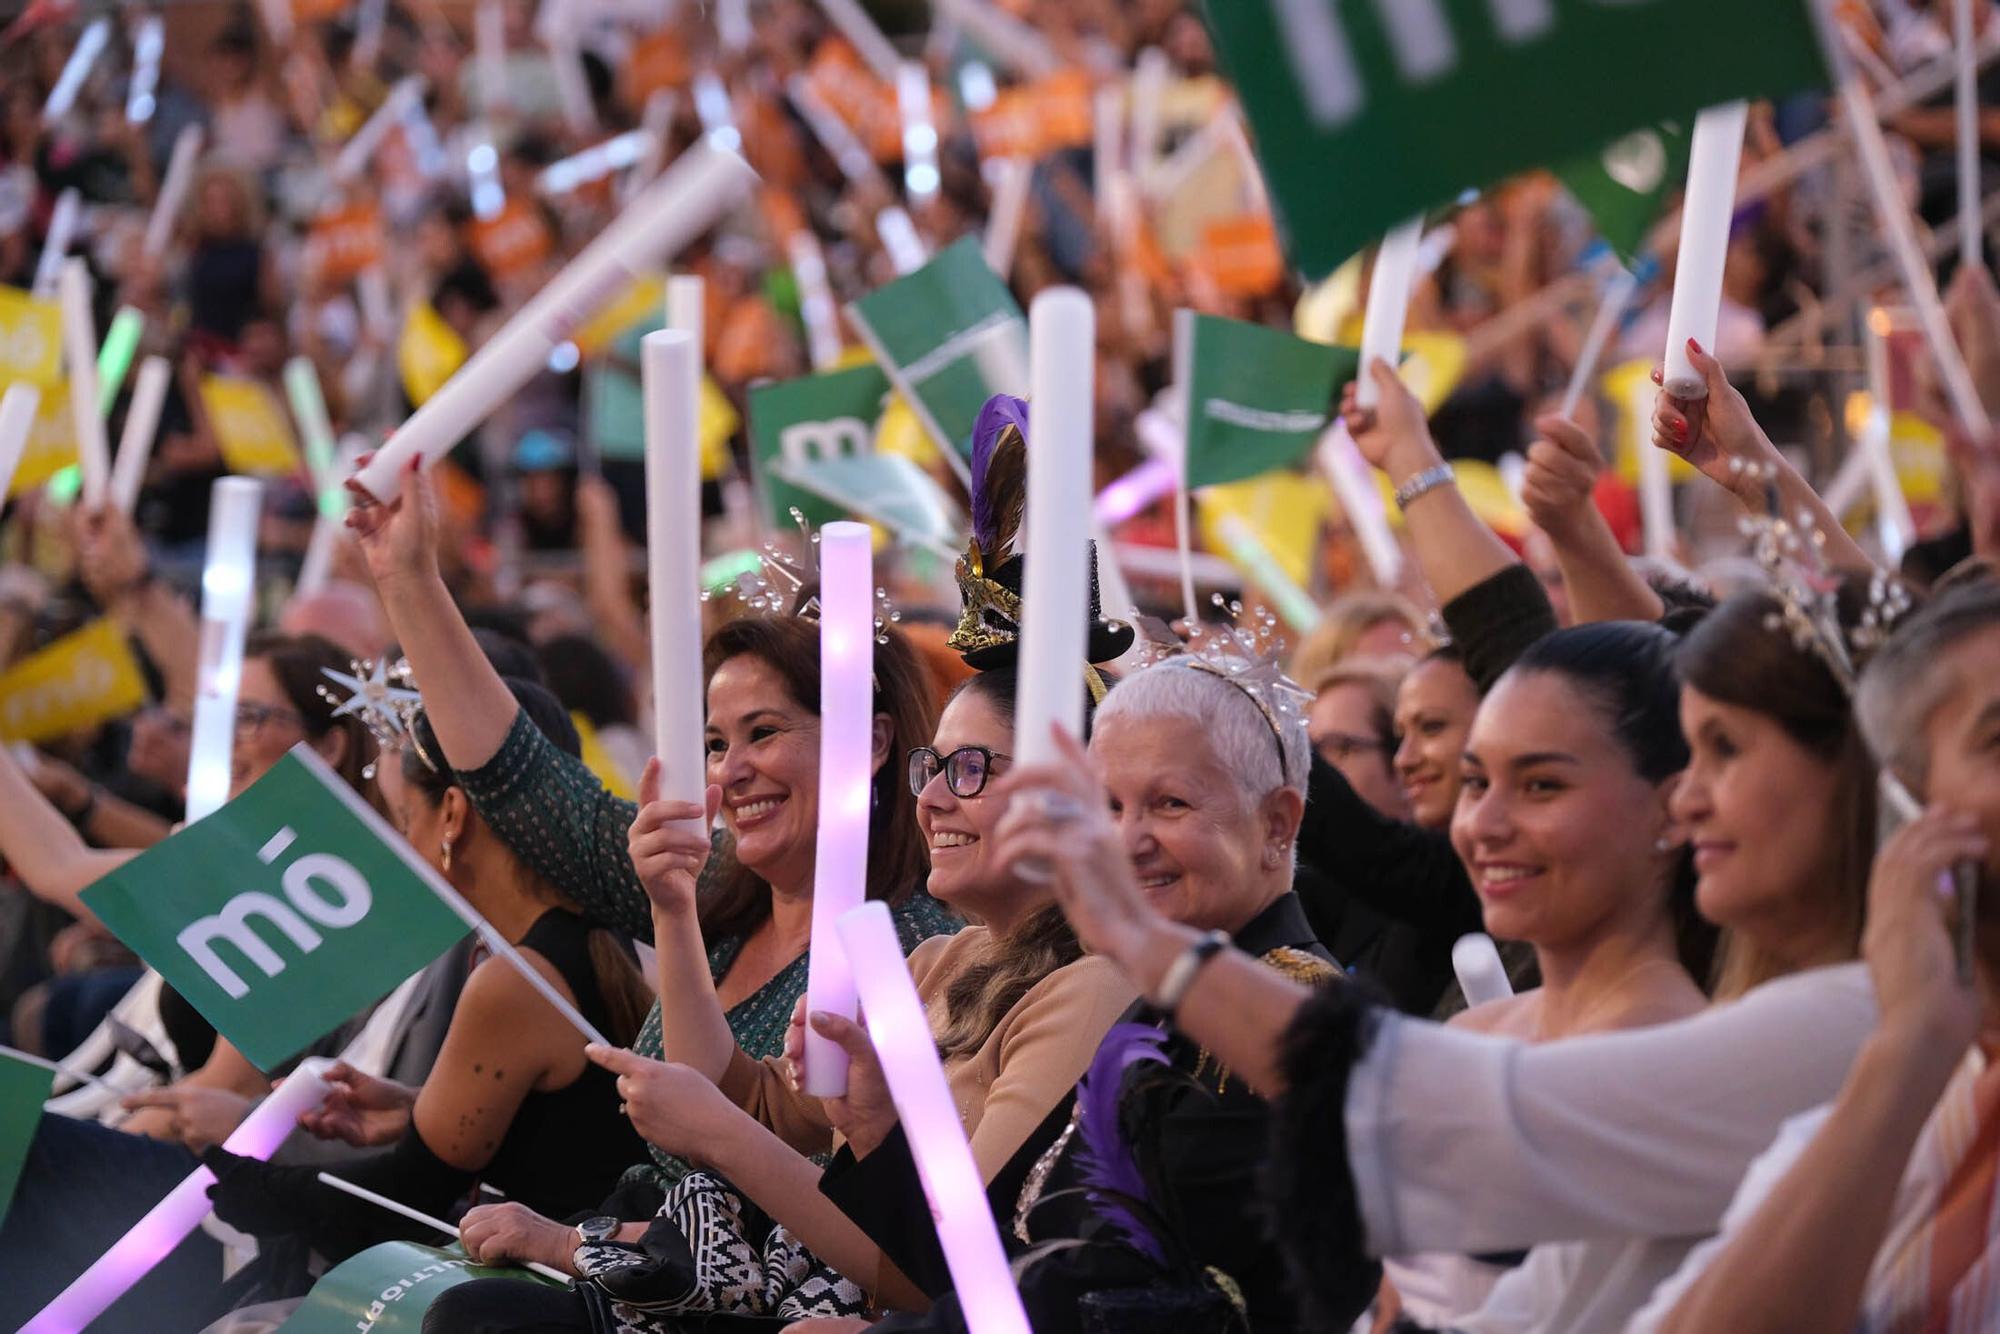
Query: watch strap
column 1182, row 972
column 1430, row 479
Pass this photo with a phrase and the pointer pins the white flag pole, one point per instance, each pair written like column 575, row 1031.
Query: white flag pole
column 142, row 420
column 874, row 48
column 1617, row 295
column 1354, row 485
column 80, row 345
column 400, row 1209
column 76, row 69
column 1010, row 205
column 149, row 42
column 63, row 224
column 174, row 187
column 1892, row 508
column 817, row 308
column 1966, row 103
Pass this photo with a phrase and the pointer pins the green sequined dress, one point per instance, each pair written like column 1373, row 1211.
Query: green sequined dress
column 558, row 818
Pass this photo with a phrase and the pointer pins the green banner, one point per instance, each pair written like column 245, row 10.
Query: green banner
column 799, row 422
column 1367, row 112
column 24, row 1087
column 283, row 913
column 950, row 337
column 1257, row 397
column 887, row 488
column 386, row 1289
column 1625, row 186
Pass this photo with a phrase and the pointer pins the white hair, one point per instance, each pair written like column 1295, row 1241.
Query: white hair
column 1904, row 683
column 1259, row 758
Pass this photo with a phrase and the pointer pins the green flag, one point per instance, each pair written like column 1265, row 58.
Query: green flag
column 1257, row 397
column 796, row 422
column 24, row 1087
column 950, row 337
column 284, row 912
column 1367, row 112
column 1625, row 185
column 386, row 1289
column 888, row 488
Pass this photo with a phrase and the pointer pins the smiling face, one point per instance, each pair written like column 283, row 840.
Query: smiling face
column 763, row 751
column 1758, row 808
column 1202, row 850
column 1343, row 724
column 1434, row 708
column 1554, row 825
column 958, row 830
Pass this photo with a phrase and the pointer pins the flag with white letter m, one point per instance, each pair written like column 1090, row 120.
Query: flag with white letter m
column 284, row 913
column 1368, row 112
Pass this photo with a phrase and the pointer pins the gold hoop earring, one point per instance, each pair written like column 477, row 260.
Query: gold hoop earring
column 447, row 855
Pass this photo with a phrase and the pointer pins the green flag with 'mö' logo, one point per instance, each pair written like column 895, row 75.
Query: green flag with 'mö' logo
column 24, row 1087
column 386, row 1289
column 950, row 336
column 283, row 913
column 1368, row 112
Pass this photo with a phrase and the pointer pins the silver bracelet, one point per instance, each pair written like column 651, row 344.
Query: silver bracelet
column 1181, row 974
column 1430, row 479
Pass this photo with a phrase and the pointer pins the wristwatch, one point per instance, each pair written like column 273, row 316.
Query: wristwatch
column 596, row 1231
column 1180, row 975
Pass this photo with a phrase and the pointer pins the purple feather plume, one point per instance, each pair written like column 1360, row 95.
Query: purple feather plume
column 989, row 511
column 1110, row 1173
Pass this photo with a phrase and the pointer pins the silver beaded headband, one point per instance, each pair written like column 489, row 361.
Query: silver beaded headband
column 773, row 588
column 1247, row 656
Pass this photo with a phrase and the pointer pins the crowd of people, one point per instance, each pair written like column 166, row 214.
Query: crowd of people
column 1730, row 820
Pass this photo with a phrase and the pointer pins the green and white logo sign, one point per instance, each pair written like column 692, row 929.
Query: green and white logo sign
column 283, row 913
column 950, row 336
column 1625, row 184
column 386, row 1289
column 1257, row 397
column 797, row 423
column 1368, row 112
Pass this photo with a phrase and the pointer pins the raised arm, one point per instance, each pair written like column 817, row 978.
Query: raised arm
column 1558, row 491
column 607, row 588
column 43, row 849
column 112, row 561
column 1454, row 549
column 1725, row 442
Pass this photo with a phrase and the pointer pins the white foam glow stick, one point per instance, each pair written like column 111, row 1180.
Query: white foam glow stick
column 63, row 223
column 1107, row 157
column 169, row 1222
column 1149, row 90
column 670, row 367
column 1354, row 485
column 1966, row 103
column 75, row 70
column 1007, row 39
column 18, row 407
column 854, row 160
column 149, row 42
column 93, row 450
column 378, row 311
column 846, row 753
column 594, row 163
column 1062, row 356
column 368, row 25
column 817, row 307
column 228, row 597
column 174, row 187
column 572, row 88
column 1656, row 494
column 920, row 138
column 733, row 27
column 1918, row 282
column 1010, row 205
column 1481, row 975
column 687, row 310
column 1713, row 156
column 360, row 147
column 907, row 251
column 1617, row 295
column 868, row 41
column 1388, row 306
column 656, row 122
column 426, row 151
column 717, row 112
column 489, row 54
column 903, row 1044
column 699, row 188
column 1892, row 508
column 142, row 420
column 418, row 1216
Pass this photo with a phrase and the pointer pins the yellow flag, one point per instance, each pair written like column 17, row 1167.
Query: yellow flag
column 644, row 296
column 250, row 427
column 598, row 760
column 1631, row 390
column 717, row 422
column 51, row 441
column 901, row 431
column 1286, row 510
column 429, row 352
column 30, row 338
column 81, row 680
column 1433, row 364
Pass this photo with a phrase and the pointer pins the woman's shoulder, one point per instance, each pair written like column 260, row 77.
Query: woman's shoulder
column 937, row 959
column 1087, row 987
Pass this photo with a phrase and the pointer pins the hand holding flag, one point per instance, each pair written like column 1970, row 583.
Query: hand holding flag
column 1394, row 435
column 673, row 1107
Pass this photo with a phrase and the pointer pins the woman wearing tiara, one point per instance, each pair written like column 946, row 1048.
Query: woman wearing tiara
column 1017, row 1007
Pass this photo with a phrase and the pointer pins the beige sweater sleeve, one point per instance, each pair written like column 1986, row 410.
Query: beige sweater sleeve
column 764, row 1089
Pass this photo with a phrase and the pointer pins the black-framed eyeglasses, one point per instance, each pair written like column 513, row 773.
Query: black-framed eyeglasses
column 254, row 718
column 1338, row 747
column 965, row 769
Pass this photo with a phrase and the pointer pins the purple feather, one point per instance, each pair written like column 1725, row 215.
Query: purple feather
column 1110, row 1172
column 989, row 511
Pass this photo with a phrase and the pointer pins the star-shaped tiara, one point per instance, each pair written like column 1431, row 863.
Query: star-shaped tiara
column 374, row 697
column 774, row 588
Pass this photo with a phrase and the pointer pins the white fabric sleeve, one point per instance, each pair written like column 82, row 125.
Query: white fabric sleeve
column 1467, row 1143
column 1758, row 1183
